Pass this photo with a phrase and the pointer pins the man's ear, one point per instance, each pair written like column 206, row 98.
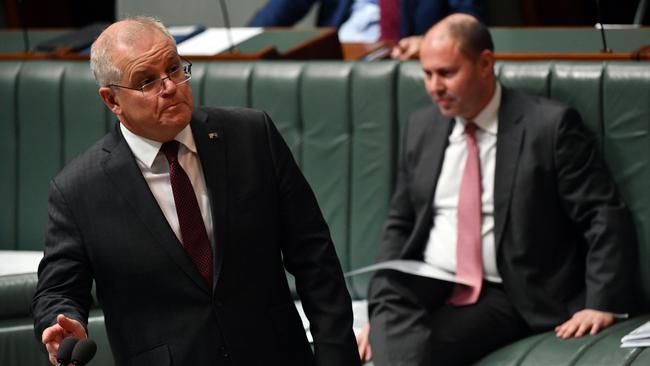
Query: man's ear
column 108, row 97
column 486, row 60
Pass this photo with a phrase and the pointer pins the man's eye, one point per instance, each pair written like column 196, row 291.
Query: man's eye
column 144, row 82
column 174, row 69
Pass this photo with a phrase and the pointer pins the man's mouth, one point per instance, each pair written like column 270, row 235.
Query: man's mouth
column 444, row 101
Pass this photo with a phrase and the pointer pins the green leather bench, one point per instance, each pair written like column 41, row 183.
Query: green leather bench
column 342, row 121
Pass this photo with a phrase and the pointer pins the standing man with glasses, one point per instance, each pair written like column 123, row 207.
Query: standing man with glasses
column 186, row 219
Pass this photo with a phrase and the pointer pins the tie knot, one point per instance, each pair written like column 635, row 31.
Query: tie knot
column 470, row 128
column 170, row 149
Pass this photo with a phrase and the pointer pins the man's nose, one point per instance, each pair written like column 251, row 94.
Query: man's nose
column 168, row 86
column 435, row 85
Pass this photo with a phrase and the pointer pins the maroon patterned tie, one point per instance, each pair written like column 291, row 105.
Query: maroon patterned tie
column 195, row 237
column 469, row 260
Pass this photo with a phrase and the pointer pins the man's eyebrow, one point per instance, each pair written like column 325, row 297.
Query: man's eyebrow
column 145, row 71
column 139, row 74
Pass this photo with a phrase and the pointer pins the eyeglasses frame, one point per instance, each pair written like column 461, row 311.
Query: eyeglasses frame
column 187, row 69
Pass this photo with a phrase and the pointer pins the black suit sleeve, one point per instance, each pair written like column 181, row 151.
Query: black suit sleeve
column 64, row 276
column 308, row 254
column 592, row 202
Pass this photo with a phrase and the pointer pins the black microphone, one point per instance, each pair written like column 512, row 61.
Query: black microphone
column 226, row 22
column 83, row 352
column 23, row 24
column 602, row 28
column 65, row 350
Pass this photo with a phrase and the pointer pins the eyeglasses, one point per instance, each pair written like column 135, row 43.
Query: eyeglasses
column 179, row 74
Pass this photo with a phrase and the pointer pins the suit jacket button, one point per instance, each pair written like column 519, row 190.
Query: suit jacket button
column 224, row 352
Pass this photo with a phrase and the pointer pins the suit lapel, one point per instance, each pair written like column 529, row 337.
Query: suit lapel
column 436, row 137
column 432, row 142
column 210, row 144
column 122, row 170
column 510, row 137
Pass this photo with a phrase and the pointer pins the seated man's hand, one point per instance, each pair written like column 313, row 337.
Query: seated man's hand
column 406, row 48
column 586, row 320
column 363, row 343
column 53, row 335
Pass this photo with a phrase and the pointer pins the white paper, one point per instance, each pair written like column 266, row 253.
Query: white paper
column 636, row 343
column 413, row 267
column 639, row 337
column 19, row 261
column 181, row 30
column 215, row 40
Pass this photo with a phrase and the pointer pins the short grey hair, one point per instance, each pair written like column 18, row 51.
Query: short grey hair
column 101, row 52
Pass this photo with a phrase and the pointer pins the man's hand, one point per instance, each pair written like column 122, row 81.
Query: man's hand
column 363, row 343
column 53, row 335
column 584, row 321
column 406, row 48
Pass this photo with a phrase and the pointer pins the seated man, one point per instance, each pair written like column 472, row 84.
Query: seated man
column 185, row 218
column 508, row 192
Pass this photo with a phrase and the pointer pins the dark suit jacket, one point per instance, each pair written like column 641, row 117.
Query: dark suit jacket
column 564, row 239
column 104, row 224
column 417, row 15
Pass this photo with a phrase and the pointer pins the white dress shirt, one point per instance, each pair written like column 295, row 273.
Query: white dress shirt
column 155, row 169
column 441, row 247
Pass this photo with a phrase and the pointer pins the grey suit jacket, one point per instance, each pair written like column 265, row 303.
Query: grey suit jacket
column 105, row 225
column 564, row 239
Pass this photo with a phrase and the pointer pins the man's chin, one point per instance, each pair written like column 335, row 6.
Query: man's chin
column 446, row 108
column 447, row 112
column 177, row 114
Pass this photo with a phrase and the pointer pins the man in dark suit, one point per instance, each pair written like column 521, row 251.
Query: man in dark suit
column 507, row 192
column 185, row 219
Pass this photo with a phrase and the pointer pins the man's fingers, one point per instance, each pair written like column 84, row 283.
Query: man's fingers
column 368, row 354
column 71, row 326
column 586, row 321
column 52, row 334
column 363, row 343
column 52, row 347
column 582, row 329
column 595, row 329
column 567, row 330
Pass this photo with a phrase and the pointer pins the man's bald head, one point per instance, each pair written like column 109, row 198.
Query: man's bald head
column 472, row 36
column 123, row 34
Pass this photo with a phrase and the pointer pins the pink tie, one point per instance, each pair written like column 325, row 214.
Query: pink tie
column 195, row 237
column 469, row 261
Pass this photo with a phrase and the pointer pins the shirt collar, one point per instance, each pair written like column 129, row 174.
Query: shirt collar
column 146, row 150
column 487, row 119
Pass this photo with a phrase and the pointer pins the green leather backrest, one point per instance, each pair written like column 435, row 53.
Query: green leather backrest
column 374, row 156
column 51, row 112
column 85, row 117
column 8, row 154
column 626, row 131
column 40, row 145
column 275, row 88
column 341, row 120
